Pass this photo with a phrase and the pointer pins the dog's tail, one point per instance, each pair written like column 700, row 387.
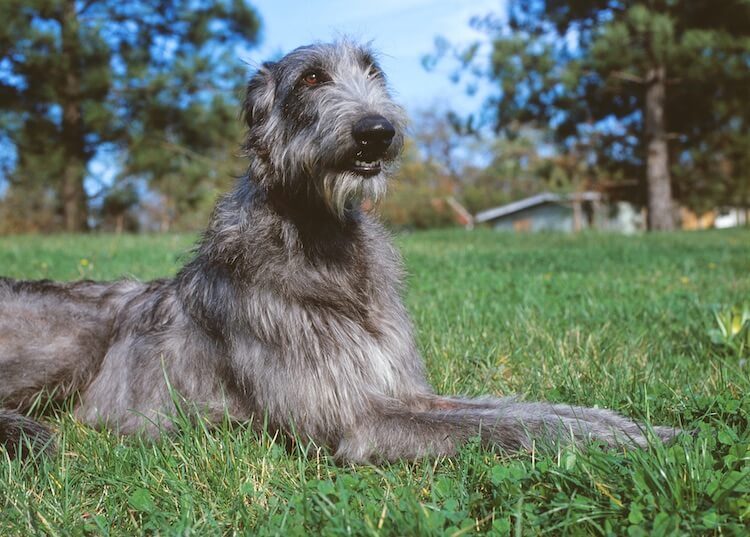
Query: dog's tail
column 23, row 437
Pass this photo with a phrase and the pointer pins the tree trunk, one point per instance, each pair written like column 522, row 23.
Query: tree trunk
column 72, row 193
column 660, row 211
column 577, row 215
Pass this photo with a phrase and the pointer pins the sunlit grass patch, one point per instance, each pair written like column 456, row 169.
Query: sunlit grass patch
column 620, row 322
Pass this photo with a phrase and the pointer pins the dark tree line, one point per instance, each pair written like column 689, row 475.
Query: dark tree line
column 153, row 83
column 655, row 90
column 646, row 92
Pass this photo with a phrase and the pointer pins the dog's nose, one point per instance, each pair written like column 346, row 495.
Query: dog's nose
column 373, row 134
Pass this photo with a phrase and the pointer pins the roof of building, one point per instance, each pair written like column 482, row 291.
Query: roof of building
column 533, row 201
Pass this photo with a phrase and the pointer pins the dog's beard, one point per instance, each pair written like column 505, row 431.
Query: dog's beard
column 341, row 190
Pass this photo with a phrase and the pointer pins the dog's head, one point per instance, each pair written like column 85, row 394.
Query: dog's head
column 322, row 123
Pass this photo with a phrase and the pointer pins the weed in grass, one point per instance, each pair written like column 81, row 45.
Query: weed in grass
column 732, row 330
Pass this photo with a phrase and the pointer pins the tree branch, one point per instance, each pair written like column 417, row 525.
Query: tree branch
column 86, row 6
column 628, row 77
column 177, row 148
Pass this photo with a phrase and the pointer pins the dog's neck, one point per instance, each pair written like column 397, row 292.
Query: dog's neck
column 322, row 233
column 305, row 207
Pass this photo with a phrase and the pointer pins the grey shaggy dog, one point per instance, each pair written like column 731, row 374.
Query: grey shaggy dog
column 290, row 313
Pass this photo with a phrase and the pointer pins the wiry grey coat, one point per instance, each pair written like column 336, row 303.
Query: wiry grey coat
column 290, row 312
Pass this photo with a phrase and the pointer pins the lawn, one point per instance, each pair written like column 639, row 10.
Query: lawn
column 596, row 320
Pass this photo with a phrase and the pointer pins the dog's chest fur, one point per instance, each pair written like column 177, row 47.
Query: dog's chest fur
column 324, row 329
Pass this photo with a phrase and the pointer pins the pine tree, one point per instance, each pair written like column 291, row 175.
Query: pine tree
column 81, row 76
column 645, row 83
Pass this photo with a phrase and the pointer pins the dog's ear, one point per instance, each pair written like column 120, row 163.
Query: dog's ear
column 260, row 95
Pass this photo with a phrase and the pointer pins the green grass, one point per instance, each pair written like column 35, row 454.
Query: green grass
column 621, row 322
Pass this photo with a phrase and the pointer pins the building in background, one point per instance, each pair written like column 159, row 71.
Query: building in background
column 564, row 212
column 593, row 210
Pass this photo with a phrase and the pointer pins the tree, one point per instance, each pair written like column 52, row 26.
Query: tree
column 416, row 194
column 440, row 136
column 510, row 175
column 79, row 76
column 116, row 210
column 642, row 83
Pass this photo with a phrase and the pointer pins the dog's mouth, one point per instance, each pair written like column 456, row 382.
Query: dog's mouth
column 365, row 168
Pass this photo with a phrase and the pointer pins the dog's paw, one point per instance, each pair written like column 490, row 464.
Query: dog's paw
column 579, row 425
column 616, row 431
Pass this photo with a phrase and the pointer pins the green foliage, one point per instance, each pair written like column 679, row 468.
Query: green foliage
column 416, row 194
column 117, row 210
column 517, row 170
column 591, row 319
column 153, row 82
column 436, row 165
column 732, row 329
column 582, row 69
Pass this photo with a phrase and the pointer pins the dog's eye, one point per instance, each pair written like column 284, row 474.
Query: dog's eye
column 314, row 78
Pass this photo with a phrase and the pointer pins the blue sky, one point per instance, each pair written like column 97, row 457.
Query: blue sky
column 401, row 30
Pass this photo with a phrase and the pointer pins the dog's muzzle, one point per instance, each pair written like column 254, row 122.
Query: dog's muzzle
column 373, row 135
